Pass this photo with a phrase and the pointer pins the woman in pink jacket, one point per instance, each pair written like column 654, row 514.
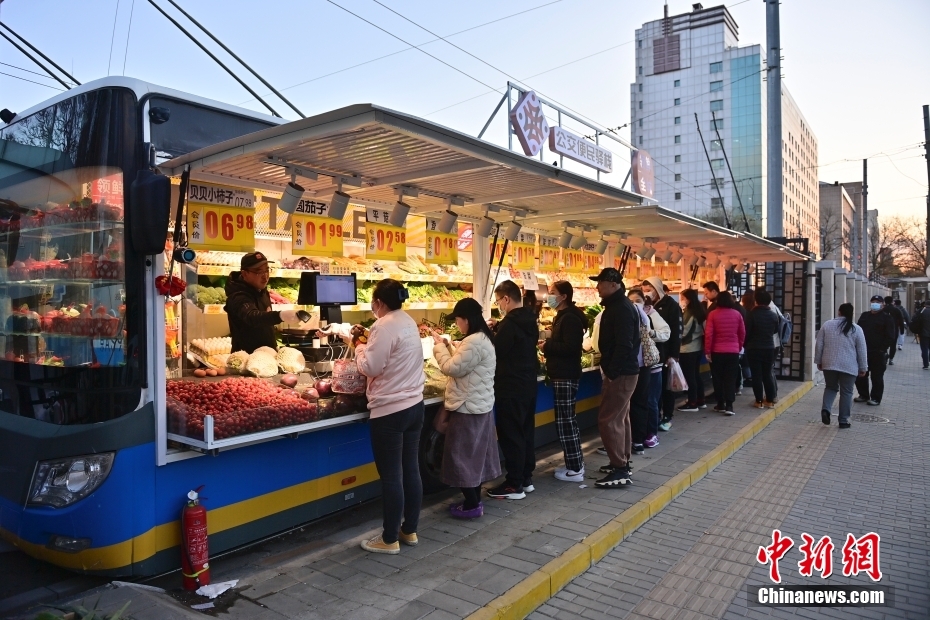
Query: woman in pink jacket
column 724, row 333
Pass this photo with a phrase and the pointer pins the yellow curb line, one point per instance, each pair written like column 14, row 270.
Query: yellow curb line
column 543, row 584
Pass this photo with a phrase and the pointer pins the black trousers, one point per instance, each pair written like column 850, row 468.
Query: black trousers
column 515, row 417
column 877, row 365
column 395, row 442
column 667, row 402
column 691, row 366
column 726, row 369
column 762, row 364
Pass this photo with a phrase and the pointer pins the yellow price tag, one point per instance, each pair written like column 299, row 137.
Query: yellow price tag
column 573, row 261
column 442, row 248
column 385, row 242
column 523, row 255
column 214, row 227
column 316, row 236
column 548, row 253
column 592, row 263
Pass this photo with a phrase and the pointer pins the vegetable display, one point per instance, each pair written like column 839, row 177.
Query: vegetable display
column 290, row 360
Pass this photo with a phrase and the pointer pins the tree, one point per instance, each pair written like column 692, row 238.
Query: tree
column 885, row 243
column 911, row 252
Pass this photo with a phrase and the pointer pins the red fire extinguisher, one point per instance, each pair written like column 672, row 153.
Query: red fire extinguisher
column 195, row 556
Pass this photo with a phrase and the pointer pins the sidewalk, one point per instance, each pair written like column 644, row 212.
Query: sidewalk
column 464, row 567
column 695, row 558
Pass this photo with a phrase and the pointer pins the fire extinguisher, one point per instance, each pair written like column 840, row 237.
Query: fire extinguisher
column 195, row 556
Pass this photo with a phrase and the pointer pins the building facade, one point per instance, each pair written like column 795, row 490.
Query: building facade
column 839, row 225
column 698, row 105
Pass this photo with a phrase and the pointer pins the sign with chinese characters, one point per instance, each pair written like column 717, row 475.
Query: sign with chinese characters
column 575, row 147
column 529, row 123
column 108, row 190
column 497, row 249
column 383, row 241
column 644, row 176
column 859, row 555
column 592, row 260
column 441, row 248
column 311, row 207
column 548, row 253
column 530, row 283
column 573, row 261
column 220, row 218
column 316, row 236
column 523, row 251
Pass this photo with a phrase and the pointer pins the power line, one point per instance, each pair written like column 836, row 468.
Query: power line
column 26, row 70
column 113, row 37
column 30, row 81
column 128, row 32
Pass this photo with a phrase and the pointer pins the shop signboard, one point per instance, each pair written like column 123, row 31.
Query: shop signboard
column 314, row 234
column 523, row 251
column 383, row 241
column 220, row 218
column 530, row 283
column 592, row 260
column 583, row 151
column 548, row 253
column 644, row 176
column 529, row 123
column 573, row 261
column 108, row 190
column 441, row 248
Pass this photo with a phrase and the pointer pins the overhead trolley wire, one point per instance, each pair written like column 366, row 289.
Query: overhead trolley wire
column 30, row 81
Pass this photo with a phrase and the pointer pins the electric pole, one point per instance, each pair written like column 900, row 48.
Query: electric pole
column 864, row 240
column 775, row 218
column 927, row 156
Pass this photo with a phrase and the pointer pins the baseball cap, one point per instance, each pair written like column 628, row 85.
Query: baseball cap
column 877, row 298
column 464, row 308
column 608, row 274
column 253, row 260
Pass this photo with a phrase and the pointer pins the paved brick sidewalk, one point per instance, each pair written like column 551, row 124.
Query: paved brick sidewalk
column 695, row 559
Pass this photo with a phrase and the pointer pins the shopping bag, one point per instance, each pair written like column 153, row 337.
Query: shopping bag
column 676, row 378
column 346, row 377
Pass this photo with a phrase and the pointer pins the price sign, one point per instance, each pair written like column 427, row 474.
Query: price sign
column 573, row 261
column 316, row 236
column 523, row 254
column 548, row 253
column 220, row 218
column 530, row 283
column 498, row 250
column 383, row 241
column 592, row 260
column 441, row 248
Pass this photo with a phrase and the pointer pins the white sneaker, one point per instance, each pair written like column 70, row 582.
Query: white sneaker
column 568, row 475
column 602, row 450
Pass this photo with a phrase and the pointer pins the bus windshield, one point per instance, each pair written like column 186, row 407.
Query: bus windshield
column 70, row 350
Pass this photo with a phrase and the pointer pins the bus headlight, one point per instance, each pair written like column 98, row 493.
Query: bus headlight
column 62, row 482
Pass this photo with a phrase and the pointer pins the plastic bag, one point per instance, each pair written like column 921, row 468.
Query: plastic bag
column 676, row 378
column 347, row 379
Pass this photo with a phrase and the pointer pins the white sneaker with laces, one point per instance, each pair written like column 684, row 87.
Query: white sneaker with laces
column 568, row 475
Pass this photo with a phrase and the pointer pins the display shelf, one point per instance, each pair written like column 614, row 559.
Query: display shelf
column 60, row 335
column 225, row 270
column 97, row 282
column 67, row 229
column 417, row 305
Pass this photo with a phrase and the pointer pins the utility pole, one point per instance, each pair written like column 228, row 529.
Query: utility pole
column 864, row 241
column 775, row 219
column 927, row 156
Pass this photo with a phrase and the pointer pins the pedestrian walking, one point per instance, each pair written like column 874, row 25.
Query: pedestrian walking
column 670, row 350
column 761, row 325
column 692, row 348
column 898, row 317
column 563, row 366
column 392, row 360
column 515, row 340
column 619, row 344
column 880, row 335
column 907, row 322
column 469, row 456
column 841, row 353
column 920, row 325
column 645, row 401
column 724, row 334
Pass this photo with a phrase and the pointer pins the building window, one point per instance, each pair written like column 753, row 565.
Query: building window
column 678, row 120
column 678, row 177
column 716, row 145
column 639, row 43
column 640, row 122
column 677, row 195
column 640, row 87
column 715, row 203
column 716, row 164
column 716, row 105
column 715, row 86
column 677, row 139
column 677, row 159
column 640, row 105
column 716, row 124
column 640, row 140
column 717, row 183
column 677, row 101
column 677, row 83
column 639, row 70
column 715, row 67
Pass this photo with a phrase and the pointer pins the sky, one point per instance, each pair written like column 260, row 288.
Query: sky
column 853, row 67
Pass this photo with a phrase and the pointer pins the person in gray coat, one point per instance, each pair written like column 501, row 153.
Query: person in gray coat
column 841, row 354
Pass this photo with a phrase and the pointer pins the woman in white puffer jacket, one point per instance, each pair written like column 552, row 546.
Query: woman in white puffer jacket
column 470, row 454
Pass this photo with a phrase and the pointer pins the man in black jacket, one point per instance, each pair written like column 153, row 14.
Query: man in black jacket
column 920, row 325
column 907, row 322
column 620, row 345
column 898, row 317
column 669, row 350
column 248, row 306
column 515, row 391
column 880, row 335
column 761, row 326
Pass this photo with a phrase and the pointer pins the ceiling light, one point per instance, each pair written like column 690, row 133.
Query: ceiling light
column 399, row 214
column 565, row 240
column 701, row 261
column 338, row 205
column 448, row 221
column 650, row 253
column 601, row 247
column 693, row 261
column 512, row 230
column 291, row 196
column 643, row 252
column 676, row 257
column 578, row 242
column 484, row 227
column 664, row 256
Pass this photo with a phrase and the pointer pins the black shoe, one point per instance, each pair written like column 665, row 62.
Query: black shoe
column 825, row 416
column 606, row 469
column 639, row 448
column 617, row 478
column 844, row 424
column 891, row 362
column 861, row 399
column 507, row 491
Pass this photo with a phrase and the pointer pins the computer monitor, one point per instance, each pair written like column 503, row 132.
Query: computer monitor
column 329, row 292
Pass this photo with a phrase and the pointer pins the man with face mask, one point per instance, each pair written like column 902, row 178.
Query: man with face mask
column 670, row 311
column 880, row 335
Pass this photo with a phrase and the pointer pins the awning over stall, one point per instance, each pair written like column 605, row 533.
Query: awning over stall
column 375, row 153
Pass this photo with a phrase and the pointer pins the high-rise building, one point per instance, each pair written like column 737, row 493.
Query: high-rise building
column 690, row 71
column 840, row 221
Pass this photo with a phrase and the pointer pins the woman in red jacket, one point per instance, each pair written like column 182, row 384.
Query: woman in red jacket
column 724, row 333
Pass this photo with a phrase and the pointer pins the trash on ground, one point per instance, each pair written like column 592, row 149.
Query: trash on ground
column 215, row 589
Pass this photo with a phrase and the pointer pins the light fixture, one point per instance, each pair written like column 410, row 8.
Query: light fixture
column 338, row 204
column 701, row 261
column 664, row 256
column 650, row 253
column 578, row 242
column 693, row 261
column 565, row 240
column 484, row 227
column 512, row 230
column 291, row 196
column 399, row 214
column 643, row 252
column 676, row 257
column 601, row 247
column 447, row 221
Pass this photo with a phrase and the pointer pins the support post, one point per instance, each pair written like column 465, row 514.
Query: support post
column 864, row 236
column 810, row 318
column 927, row 157
column 828, row 307
column 774, row 212
column 839, row 289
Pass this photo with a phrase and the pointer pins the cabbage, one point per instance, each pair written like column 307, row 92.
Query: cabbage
column 236, row 361
column 265, row 350
column 291, row 360
column 262, row 364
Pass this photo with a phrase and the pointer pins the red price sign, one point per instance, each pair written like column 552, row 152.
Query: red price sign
column 316, row 236
column 548, row 253
column 523, row 255
column 385, row 242
column 573, row 261
column 592, row 262
column 498, row 249
column 214, row 227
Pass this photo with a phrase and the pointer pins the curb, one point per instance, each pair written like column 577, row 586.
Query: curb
column 541, row 585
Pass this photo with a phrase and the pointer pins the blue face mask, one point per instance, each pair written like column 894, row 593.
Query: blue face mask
column 553, row 301
column 875, row 307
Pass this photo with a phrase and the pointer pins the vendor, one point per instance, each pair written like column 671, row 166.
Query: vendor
column 248, row 306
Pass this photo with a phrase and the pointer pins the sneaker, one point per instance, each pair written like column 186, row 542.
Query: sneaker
column 617, row 478
column 665, row 425
column 410, row 540
column 506, row 491
column 701, row 406
column 739, row 392
column 528, row 487
column 377, row 545
column 860, row 399
column 759, row 404
column 688, row 407
column 651, row 442
column 639, row 448
column 719, row 408
column 602, row 450
column 926, row 367
column 900, row 348
column 460, row 512
column 770, row 403
column 874, row 403
column 606, row 469
column 844, row 425
column 728, row 410
column 891, row 362
column 568, row 475
column 825, row 416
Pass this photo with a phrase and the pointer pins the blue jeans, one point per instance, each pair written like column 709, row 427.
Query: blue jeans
column 838, row 383
column 395, row 442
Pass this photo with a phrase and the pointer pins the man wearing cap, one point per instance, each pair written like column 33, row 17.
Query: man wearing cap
column 619, row 344
column 880, row 335
column 248, row 306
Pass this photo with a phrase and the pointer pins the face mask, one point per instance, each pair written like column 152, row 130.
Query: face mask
column 876, row 307
column 553, row 301
column 639, row 304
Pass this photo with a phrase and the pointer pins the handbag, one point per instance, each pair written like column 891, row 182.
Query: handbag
column 441, row 420
column 346, row 377
column 676, row 378
column 650, row 350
